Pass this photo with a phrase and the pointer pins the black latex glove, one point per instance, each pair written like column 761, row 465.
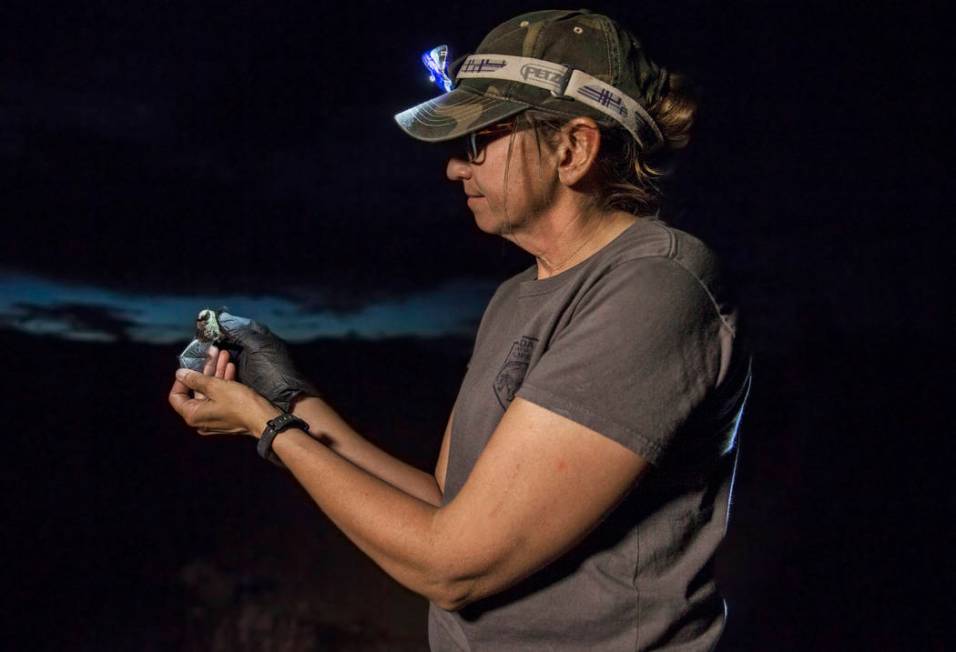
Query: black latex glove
column 263, row 361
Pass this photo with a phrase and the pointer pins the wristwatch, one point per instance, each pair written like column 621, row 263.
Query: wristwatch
column 273, row 427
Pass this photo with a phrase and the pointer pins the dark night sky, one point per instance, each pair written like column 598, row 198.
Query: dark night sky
column 158, row 157
column 164, row 149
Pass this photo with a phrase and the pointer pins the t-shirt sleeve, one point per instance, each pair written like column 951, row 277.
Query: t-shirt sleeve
column 638, row 354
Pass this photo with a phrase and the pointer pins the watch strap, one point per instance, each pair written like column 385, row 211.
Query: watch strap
column 273, row 427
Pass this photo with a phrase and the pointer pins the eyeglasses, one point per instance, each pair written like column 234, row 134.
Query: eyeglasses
column 477, row 141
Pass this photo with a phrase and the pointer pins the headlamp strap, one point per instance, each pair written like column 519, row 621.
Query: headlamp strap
column 564, row 81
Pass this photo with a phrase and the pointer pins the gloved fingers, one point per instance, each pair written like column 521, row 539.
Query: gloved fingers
column 232, row 322
column 233, row 327
column 243, row 331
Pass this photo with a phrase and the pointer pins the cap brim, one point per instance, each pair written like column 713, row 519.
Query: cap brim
column 455, row 114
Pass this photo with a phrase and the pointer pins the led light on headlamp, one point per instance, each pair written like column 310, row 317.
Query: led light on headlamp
column 436, row 61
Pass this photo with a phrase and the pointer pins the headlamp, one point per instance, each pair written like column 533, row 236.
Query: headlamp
column 436, row 61
column 562, row 81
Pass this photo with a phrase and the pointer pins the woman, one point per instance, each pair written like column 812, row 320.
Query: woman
column 583, row 480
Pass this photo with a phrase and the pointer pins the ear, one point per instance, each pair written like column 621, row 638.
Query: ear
column 580, row 144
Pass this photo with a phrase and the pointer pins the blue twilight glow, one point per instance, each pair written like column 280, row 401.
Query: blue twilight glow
column 85, row 312
column 436, row 60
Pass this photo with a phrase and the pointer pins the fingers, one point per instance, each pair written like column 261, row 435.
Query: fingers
column 197, row 381
column 179, row 397
column 233, row 326
column 230, row 371
column 232, row 321
column 209, row 367
column 193, row 411
column 239, row 329
column 211, row 357
column 221, row 411
column 221, row 361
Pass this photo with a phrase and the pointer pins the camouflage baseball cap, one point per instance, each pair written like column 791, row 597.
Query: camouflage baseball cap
column 550, row 48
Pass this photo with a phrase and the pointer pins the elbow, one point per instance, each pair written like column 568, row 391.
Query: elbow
column 448, row 604
column 466, row 583
column 455, row 585
column 469, row 568
column 453, row 595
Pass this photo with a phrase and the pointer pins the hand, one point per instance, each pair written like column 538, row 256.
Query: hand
column 217, row 364
column 263, row 362
column 225, row 406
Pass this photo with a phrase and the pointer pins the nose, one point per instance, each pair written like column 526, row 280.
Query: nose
column 458, row 169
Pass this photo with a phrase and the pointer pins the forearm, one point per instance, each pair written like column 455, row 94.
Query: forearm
column 341, row 438
column 400, row 532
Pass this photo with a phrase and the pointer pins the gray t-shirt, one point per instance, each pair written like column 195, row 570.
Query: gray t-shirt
column 638, row 343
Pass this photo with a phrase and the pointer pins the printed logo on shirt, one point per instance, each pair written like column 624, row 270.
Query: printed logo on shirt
column 512, row 373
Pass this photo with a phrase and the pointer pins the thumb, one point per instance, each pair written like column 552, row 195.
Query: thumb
column 195, row 380
column 247, row 333
column 235, row 329
column 232, row 322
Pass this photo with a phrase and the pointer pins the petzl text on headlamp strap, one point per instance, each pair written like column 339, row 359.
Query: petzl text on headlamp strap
column 564, row 81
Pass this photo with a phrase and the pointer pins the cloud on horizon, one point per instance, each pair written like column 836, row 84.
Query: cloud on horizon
column 90, row 313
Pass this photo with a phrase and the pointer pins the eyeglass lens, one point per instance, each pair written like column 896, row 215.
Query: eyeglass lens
column 479, row 140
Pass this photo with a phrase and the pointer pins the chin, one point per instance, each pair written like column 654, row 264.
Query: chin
column 492, row 223
column 485, row 222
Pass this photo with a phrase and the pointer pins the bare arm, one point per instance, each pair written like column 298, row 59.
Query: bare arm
column 345, row 441
column 542, row 483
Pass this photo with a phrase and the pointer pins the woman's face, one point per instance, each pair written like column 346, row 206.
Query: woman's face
column 503, row 203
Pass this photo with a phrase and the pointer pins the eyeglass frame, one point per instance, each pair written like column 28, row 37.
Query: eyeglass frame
column 476, row 141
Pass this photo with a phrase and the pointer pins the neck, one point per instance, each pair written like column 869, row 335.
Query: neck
column 562, row 242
